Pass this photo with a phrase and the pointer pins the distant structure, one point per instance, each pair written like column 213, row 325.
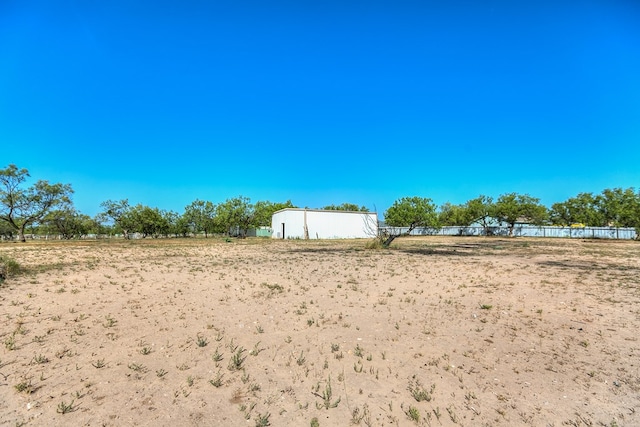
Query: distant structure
column 294, row 223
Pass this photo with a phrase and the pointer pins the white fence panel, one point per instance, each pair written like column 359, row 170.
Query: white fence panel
column 522, row 231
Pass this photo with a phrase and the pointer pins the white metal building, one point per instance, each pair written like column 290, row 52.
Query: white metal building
column 296, row 223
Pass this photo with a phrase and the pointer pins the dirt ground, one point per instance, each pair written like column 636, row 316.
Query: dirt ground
column 436, row 331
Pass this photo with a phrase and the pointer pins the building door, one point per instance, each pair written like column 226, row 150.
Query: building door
column 283, row 230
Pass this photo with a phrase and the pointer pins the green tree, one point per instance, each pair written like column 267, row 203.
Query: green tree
column 235, row 215
column 179, row 225
column 346, row 207
column 511, row 208
column 264, row 210
column 200, row 215
column 619, row 208
column 167, row 224
column 453, row 215
column 101, row 229
column 21, row 207
column 6, row 231
column 480, row 210
column 582, row 209
column 118, row 212
column 411, row 212
column 69, row 223
column 148, row 221
column 461, row 216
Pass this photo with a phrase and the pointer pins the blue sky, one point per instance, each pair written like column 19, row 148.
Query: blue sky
column 325, row 102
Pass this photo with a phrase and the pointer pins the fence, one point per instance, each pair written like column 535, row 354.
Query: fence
column 518, row 231
column 523, row 231
column 14, row 237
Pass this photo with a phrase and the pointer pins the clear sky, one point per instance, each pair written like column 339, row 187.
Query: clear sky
column 163, row 102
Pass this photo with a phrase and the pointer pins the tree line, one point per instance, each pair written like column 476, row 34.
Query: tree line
column 235, row 215
column 612, row 208
column 45, row 208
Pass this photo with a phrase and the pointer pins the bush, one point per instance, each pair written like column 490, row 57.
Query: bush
column 377, row 243
column 8, row 267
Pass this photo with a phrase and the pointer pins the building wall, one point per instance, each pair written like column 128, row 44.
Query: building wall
column 293, row 224
column 323, row 224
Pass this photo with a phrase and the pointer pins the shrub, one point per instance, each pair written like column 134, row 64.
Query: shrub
column 376, row 243
column 8, row 267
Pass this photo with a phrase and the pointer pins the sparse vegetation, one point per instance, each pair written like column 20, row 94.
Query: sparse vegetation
column 262, row 420
column 109, row 321
column 10, row 342
column 217, row 356
column 413, row 414
column 301, row 359
column 326, row 396
column 217, row 381
column 9, row 267
column 40, row 359
column 201, row 341
column 237, row 359
column 24, row 386
column 419, row 393
column 137, row 367
column 65, row 408
column 423, row 332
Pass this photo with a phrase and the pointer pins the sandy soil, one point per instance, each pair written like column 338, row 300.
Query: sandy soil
column 436, row 331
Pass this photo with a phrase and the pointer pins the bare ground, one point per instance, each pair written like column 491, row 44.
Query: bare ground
column 434, row 332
